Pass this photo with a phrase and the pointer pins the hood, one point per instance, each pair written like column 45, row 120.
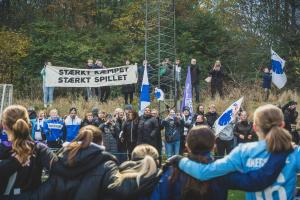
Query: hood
column 85, row 160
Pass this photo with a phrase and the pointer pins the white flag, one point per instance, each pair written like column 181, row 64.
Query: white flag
column 227, row 116
column 278, row 76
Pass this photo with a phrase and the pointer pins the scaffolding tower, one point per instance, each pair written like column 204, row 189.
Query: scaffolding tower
column 160, row 47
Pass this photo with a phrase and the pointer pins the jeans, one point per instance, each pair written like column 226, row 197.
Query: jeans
column 197, row 91
column 88, row 93
column 48, row 95
column 172, row 148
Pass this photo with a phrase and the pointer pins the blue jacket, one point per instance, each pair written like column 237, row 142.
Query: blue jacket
column 251, row 181
column 54, row 130
column 33, row 124
column 247, row 157
column 267, row 80
column 72, row 127
column 38, row 127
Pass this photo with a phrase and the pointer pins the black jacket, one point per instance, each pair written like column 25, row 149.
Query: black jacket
column 195, row 74
column 217, row 77
column 89, row 178
column 29, row 177
column 290, row 117
column 130, row 131
column 147, row 131
column 130, row 88
column 211, row 118
column 244, row 128
column 109, row 137
column 118, row 129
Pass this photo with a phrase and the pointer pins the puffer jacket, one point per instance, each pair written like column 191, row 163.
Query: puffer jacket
column 88, row 178
column 130, row 131
column 147, row 131
column 109, row 137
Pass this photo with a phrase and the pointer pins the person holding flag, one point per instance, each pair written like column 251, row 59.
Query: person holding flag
column 224, row 128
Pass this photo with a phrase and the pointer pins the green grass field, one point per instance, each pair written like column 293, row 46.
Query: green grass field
column 236, row 195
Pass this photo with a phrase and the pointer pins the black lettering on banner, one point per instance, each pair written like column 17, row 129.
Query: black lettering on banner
column 77, row 80
column 125, row 77
column 60, row 80
column 102, row 78
column 120, row 78
column 60, row 72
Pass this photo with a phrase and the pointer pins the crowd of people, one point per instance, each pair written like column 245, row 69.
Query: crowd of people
column 167, row 72
column 84, row 167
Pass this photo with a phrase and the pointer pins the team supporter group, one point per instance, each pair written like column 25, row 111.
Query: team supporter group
column 127, row 155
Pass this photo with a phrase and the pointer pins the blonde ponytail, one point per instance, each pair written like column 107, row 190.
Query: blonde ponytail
column 278, row 140
column 268, row 120
column 145, row 166
column 16, row 119
column 83, row 140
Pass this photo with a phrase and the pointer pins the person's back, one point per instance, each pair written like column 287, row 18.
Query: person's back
column 31, row 158
column 254, row 155
column 174, row 188
column 87, row 178
column 268, row 124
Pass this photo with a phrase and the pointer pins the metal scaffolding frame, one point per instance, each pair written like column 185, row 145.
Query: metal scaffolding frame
column 160, row 46
column 6, row 96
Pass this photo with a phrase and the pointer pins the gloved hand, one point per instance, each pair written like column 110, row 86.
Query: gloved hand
column 174, row 160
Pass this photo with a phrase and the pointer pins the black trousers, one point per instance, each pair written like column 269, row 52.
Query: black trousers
column 105, row 92
column 215, row 88
column 196, row 87
column 130, row 95
column 224, row 146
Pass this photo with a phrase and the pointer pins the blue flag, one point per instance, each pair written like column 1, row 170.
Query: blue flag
column 188, row 97
column 145, row 93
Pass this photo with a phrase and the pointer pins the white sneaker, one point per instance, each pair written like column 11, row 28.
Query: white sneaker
column 45, row 105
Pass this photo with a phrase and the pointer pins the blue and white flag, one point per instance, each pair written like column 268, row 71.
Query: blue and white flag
column 187, row 97
column 159, row 94
column 227, row 116
column 145, row 93
column 278, row 76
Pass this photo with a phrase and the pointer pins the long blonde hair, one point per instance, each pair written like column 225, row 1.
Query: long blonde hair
column 144, row 164
column 16, row 119
column 268, row 119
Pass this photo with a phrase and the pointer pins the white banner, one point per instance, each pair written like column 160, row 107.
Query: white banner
column 72, row 77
